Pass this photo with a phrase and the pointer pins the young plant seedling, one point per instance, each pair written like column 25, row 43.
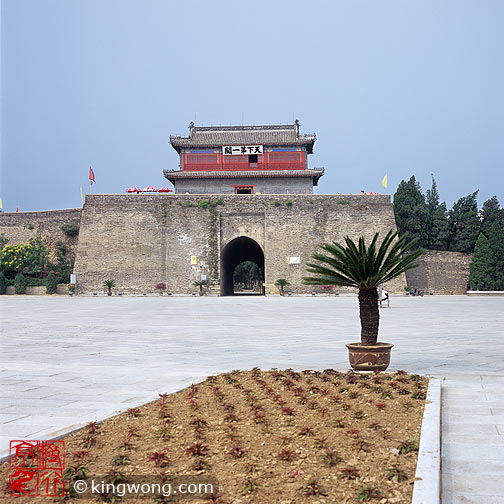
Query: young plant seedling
column 250, row 486
column 331, row 458
column 164, row 433
column 349, row 472
column 287, row 455
column 134, row 412
column 368, row 493
column 120, row 460
column 237, row 452
column 160, row 458
column 407, row 446
column 198, row 449
column 201, row 465
column 321, row 442
column 312, row 487
column 306, row 431
column 114, row 476
column 396, row 474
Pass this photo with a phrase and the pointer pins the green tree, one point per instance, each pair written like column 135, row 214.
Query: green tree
column 109, row 284
column 20, row 284
column 247, row 273
column 64, row 262
column 356, row 265
column 437, row 223
column 282, row 282
column 481, row 267
column 36, row 259
column 496, row 242
column 51, row 284
column 490, row 212
column 200, row 284
column 464, row 224
column 3, row 283
column 411, row 212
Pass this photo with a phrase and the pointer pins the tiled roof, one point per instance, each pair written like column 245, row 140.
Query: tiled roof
column 173, row 175
column 216, row 136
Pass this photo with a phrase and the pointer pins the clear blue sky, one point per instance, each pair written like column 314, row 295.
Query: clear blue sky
column 400, row 87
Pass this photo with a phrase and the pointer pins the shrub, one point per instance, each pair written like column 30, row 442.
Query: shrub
column 65, row 262
column 3, row 283
column 70, row 228
column 20, row 284
column 288, row 202
column 34, row 282
column 277, row 203
column 51, row 283
column 3, row 240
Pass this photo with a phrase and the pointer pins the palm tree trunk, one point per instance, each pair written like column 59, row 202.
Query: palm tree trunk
column 369, row 315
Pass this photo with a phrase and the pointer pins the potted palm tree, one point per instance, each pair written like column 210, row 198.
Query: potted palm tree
column 356, row 265
column 282, row 282
column 200, row 284
column 109, row 284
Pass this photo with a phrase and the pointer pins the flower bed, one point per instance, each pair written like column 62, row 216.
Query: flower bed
column 268, row 437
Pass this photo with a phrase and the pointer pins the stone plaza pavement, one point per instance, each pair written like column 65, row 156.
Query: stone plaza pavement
column 67, row 361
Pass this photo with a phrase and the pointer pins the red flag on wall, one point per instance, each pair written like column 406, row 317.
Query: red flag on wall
column 91, row 175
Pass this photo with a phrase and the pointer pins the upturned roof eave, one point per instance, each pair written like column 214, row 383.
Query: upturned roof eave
column 173, row 175
column 179, row 143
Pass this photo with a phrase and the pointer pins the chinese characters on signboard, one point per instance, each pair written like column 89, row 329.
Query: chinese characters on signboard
column 36, row 468
column 241, row 150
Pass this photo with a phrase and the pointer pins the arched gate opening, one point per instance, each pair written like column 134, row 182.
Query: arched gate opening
column 234, row 253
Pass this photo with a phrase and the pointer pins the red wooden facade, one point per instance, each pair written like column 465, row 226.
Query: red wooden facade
column 269, row 160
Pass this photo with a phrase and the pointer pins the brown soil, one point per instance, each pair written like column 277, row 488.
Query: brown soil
column 266, row 437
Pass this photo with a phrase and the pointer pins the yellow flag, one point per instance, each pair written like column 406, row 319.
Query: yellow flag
column 384, row 181
column 81, row 196
column 1, row 203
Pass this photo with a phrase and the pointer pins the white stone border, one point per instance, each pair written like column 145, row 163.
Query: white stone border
column 427, row 487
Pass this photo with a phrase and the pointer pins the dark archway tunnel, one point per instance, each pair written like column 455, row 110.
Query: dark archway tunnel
column 235, row 252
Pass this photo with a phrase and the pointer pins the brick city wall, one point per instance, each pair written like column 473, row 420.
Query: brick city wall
column 441, row 272
column 140, row 240
column 19, row 227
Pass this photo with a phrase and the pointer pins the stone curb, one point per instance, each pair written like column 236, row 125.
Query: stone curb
column 427, row 488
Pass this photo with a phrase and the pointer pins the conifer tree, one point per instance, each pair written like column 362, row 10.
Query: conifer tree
column 481, row 266
column 20, row 284
column 496, row 242
column 51, row 284
column 490, row 212
column 410, row 211
column 3, row 283
column 437, row 223
column 464, row 224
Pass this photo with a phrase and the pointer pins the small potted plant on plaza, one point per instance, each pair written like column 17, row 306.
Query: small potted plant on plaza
column 365, row 268
column 200, row 284
column 282, row 282
column 160, row 287
column 109, row 284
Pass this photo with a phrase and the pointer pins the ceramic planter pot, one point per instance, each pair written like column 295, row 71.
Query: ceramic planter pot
column 369, row 357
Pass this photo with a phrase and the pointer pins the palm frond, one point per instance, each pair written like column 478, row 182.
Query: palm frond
column 357, row 265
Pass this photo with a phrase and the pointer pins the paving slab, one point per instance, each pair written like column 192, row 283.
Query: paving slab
column 71, row 360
